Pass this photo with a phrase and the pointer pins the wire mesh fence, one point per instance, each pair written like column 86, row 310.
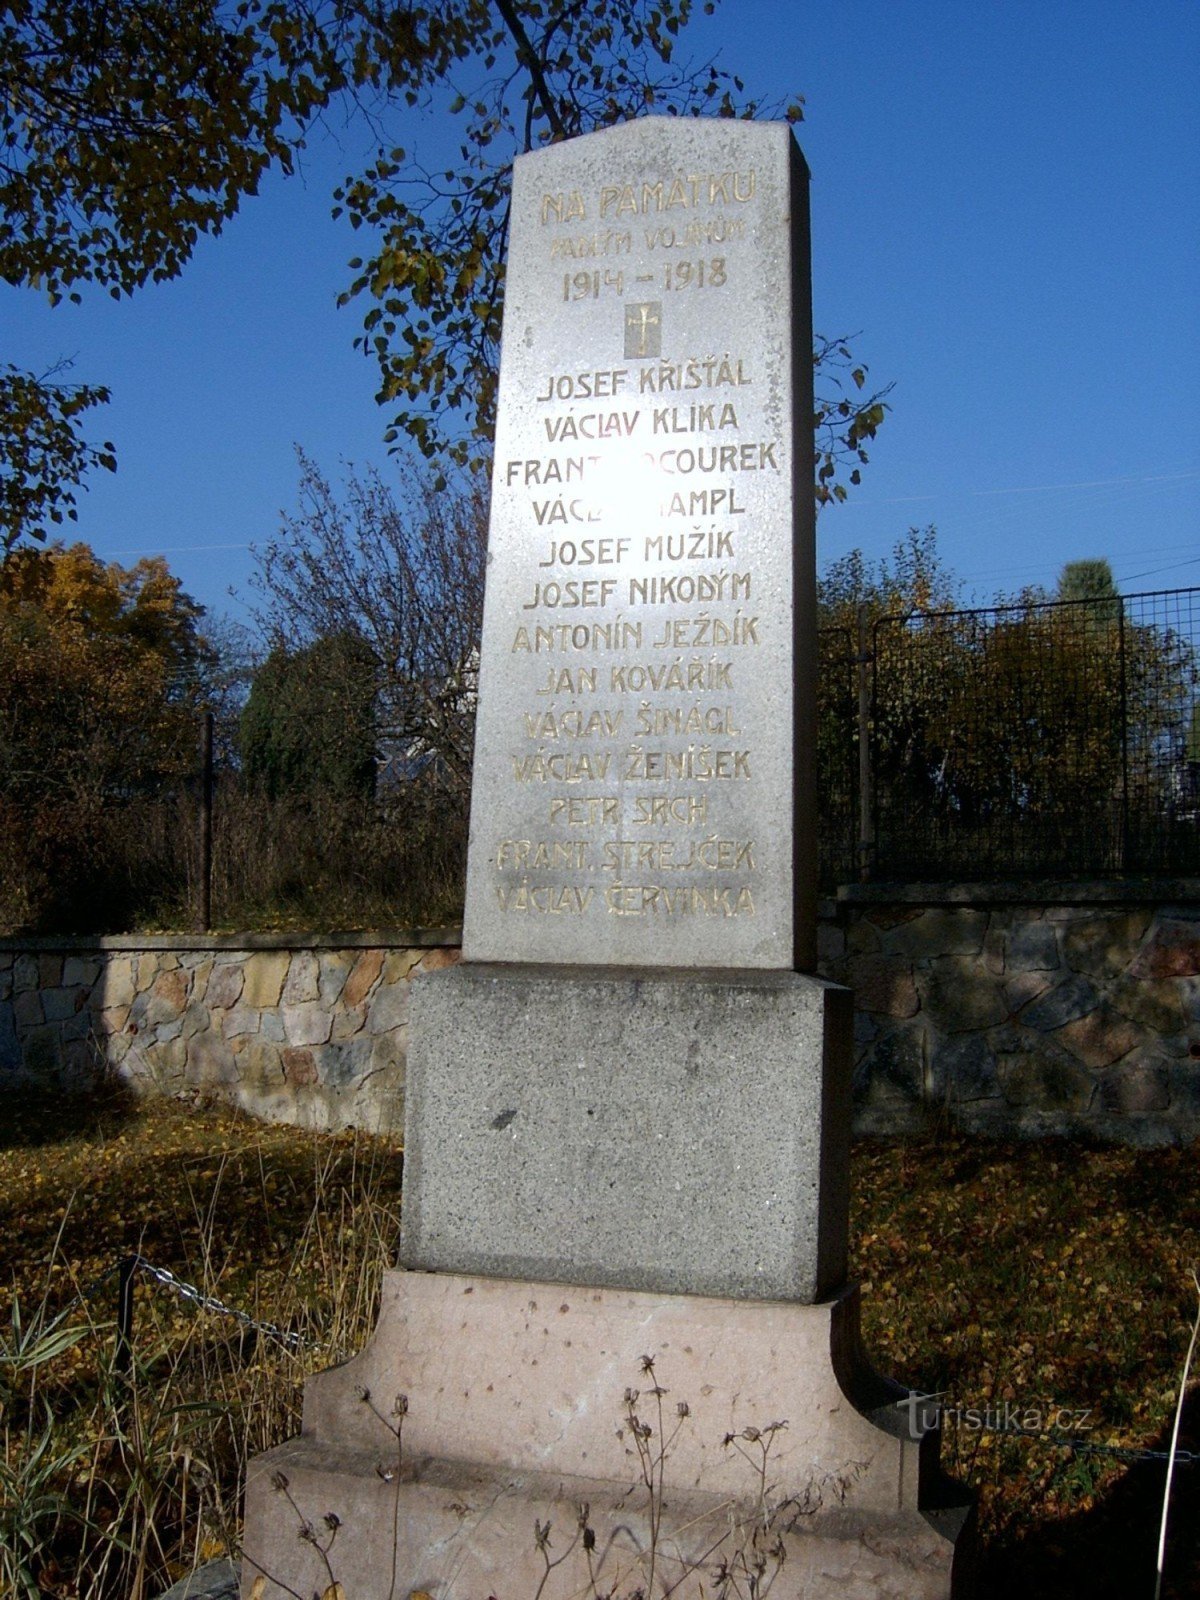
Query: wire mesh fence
column 1037, row 738
column 227, row 852
column 837, row 754
column 1051, row 737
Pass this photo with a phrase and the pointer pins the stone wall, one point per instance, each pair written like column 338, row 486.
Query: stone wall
column 1078, row 1014
column 1073, row 1012
column 310, row 1033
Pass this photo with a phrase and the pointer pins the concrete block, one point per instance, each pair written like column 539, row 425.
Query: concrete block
column 577, row 1125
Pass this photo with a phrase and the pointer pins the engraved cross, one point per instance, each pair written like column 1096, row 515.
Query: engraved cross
column 643, row 329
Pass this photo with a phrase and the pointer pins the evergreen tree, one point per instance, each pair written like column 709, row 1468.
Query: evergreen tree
column 308, row 726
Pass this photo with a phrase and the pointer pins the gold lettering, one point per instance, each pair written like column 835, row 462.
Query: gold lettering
column 547, row 899
column 662, row 810
column 683, row 192
column 563, row 207
column 554, row 855
column 573, row 724
column 587, row 246
column 671, row 855
column 586, row 811
column 653, row 899
column 570, row 681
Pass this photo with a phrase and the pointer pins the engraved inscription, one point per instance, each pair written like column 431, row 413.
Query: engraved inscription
column 583, row 246
column 668, row 855
column 521, row 854
column 546, row 898
column 586, row 811
column 697, row 189
column 642, row 482
column 572, row 724
column 652, row 899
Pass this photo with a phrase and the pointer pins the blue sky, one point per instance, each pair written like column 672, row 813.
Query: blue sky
column 1006, row 203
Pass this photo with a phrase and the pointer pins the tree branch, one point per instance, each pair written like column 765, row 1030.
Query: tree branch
column 537, row 78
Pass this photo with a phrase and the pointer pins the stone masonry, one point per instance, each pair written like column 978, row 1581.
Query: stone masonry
column 1020, row 1019
column 1002, row 1016
column 314, row 1035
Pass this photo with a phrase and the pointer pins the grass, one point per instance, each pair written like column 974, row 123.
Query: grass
column 291, row 1227
column 1041, row 1276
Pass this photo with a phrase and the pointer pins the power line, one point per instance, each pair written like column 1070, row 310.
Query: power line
column 1098, row 483
column 1110, row 555
column 1153, row 571
column 1024, row 488
column 171, row 549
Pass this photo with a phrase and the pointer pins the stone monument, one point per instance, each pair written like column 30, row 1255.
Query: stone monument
column 628, row 1122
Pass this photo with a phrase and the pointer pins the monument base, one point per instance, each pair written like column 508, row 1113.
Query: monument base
column 682, row 1132
column 772, row 1449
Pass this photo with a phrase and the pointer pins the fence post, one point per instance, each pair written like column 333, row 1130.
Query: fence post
column 866, row 842
column 123, row 1357
column 1126, row 861
column 204, row 908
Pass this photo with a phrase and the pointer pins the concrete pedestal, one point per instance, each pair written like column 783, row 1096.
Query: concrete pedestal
column 517, row 1416
column 686, row 1132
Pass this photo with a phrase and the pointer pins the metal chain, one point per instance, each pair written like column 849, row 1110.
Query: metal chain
column 209, row 1302
column 189, row 1291
column 1073, row 1442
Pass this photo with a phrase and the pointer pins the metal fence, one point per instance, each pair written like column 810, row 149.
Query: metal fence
column 1052, row 737
column 840, row 721
column 1040, row 738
